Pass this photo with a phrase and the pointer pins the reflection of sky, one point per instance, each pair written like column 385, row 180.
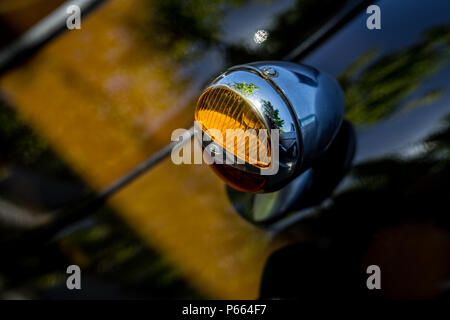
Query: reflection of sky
column 402, row 22
column 398, row 132
column 240, row 25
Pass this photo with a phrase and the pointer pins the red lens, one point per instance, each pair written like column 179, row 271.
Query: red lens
column 238, row 179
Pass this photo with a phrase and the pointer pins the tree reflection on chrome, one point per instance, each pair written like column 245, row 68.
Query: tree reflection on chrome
column 246, row 89
column 273, row 115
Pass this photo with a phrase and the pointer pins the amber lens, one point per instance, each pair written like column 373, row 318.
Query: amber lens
column 222, row 109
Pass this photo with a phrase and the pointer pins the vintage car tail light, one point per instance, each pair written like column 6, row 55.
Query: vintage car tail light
column 289, row 112
column 221, row 108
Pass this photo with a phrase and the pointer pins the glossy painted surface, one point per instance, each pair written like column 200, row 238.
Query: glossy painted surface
column 104, row 98
column 392, row 210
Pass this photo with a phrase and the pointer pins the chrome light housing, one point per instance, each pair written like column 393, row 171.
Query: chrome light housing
column 304, row 105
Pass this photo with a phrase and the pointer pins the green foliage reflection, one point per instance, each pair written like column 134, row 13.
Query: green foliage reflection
column 376, row 87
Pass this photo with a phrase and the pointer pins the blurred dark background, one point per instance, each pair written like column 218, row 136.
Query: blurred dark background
column 91, row 104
